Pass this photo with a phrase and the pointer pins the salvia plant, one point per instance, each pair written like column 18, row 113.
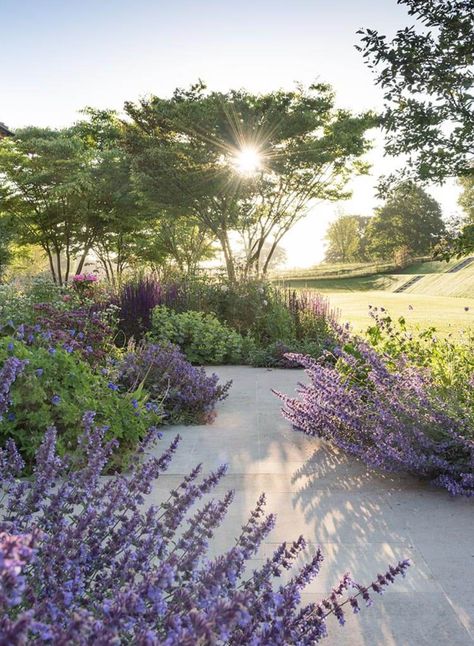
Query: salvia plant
column 83, row 559
column 390, row 417
column 313, row 314
column 136, row 301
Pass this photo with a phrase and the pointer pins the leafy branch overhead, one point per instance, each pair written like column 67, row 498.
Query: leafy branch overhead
column 427, row 77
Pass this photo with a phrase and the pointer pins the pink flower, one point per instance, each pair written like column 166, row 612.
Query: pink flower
column 84, row 278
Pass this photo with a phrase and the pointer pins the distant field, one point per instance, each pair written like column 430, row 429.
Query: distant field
column 385, row 282
column 429, row 267
column 447, row 314
column 327, row 271
column 434, row 282
column 459, row 284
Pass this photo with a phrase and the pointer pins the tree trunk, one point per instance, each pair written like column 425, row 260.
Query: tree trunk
column 58, row 267
column 51, row 265
column 82, row 260
column 229, row 260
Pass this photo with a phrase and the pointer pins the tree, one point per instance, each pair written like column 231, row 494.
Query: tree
column 346, row 239
column 70, row 192
column 427, row 77
column 6, row 238
column 44, row 183
column 466, row 199
column 177, row 242
column 114, row 219
column 459, row 238
column 410, row 218
column 187, row 153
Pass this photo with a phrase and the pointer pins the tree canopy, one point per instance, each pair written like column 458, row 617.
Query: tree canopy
column 346, row 238
column 410, row 218
column 185, row 152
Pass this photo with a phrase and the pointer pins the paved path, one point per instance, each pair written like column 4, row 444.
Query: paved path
column 362, row 520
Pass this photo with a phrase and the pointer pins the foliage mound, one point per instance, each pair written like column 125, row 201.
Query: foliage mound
column 83, row 561
column 44, row 387
column 201, row 337
column 185, row 393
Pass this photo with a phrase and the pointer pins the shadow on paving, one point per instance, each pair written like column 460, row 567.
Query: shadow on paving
column 362, row 520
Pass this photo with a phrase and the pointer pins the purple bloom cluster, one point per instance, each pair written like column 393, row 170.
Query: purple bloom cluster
column 83, row 560
column 186, row 393
column 10, row 370
column 391, row 419
column 136, row 302
column 79, row 330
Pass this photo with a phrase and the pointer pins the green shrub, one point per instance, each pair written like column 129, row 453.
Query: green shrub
column 273, row 355
column 273, row 323
column 201, row 337
column 449, row 360
column 55, row 389
column 17, row 301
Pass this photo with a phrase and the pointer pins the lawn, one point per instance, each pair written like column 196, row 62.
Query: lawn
column 447, row 314
column 386, row 282
column 459, row 284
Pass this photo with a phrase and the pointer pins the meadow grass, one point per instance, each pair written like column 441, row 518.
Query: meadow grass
column 447, row 314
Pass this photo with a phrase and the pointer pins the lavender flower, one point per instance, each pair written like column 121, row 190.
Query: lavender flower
column 185, row 393
column 84, row 560
column 9, row 372
column 392, row 419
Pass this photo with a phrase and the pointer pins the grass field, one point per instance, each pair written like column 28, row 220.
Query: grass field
column 429, row 267
column 447, row 314
column 439, row 299
column 459, row 284
column 385, row 282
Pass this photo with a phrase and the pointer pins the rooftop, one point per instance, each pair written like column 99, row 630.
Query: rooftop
column 4, row 130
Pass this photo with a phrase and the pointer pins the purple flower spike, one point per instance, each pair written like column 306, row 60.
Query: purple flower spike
column 88, row 559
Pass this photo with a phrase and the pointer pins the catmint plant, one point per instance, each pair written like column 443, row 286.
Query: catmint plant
column 386, row 412
column 185, row 392
column 84, row 559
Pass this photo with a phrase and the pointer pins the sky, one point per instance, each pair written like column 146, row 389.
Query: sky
column 57, row 57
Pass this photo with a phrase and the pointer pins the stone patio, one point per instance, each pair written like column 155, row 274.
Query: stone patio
column 362, row 520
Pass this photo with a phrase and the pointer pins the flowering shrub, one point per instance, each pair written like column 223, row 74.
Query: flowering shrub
column 186, row 394
column 83, row 561
column 314, row 317
column 18, row 300
column 391, row 419
column 84, row 284
column 44, row 387
column 201, row 337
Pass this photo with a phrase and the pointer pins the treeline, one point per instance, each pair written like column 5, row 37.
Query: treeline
column 409, row 224
column 169, row 183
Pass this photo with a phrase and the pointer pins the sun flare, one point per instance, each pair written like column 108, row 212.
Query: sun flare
column 248, row 161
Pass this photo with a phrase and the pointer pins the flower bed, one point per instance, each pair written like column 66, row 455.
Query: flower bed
column 83, row 560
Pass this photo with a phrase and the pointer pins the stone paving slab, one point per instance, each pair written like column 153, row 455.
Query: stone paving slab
column 362, row 520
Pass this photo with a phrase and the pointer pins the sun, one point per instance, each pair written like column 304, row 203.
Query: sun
column 248, row 161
